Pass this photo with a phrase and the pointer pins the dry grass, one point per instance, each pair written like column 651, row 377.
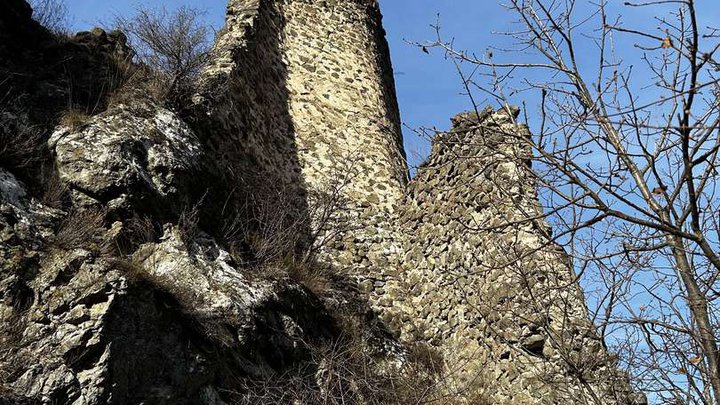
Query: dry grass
column 74, row 119
column 12, row 362
column 138, row 83
column 312, row 275
column 20, row 148
column 83, row 229
column 343, row 372
column 55, row 193
column 140, row 230
column 189, row 224
column 352, row 369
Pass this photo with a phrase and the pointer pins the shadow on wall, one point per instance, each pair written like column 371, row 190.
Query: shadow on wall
column 241, row 113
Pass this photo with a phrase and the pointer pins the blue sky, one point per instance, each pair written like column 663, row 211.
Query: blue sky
column 428, row 89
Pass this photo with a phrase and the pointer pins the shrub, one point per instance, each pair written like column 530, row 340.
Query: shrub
column 345, row 371
column 51, row 14
column 173, row 44
column 268, row 230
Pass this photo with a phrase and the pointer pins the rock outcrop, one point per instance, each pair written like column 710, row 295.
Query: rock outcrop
column 173, row 323
column 124, row 157
column 263, row 243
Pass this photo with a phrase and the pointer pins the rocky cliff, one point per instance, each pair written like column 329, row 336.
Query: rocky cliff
column 261, row 243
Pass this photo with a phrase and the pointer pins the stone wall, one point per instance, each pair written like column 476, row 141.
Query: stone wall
column 484, row 281
column 307, row 87
column 342, row 102
column 242, row 108
column 450, row 258
column 347, row 125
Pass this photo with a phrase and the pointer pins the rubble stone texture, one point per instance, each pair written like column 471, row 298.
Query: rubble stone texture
column 299, row 96
column 482, row 278
column 434, row 256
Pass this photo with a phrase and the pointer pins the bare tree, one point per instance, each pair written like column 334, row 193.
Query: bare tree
column 51, row 14
column 625, row 153
column 173, row 44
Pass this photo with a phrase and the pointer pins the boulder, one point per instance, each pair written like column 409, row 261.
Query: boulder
column 120, row 155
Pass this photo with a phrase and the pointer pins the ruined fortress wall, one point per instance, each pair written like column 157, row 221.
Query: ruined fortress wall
column 311, row 80
column 485, row 284
column 347, row 124
column 306, row 87
column 342, row 100
column 244, row 92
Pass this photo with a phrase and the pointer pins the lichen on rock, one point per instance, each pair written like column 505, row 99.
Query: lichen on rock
column 142, row 151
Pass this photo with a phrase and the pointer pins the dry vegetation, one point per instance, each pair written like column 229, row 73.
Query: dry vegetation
column 137, row 230
column 83, row 229
column 11, row 362
column 56, row 192
column 350, row 371
column 171, row 47
column 20, row 148
column 74, row 119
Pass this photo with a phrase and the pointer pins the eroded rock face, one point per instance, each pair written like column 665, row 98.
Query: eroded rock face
column 173, row 320
column 178, row 325
column 145, row 153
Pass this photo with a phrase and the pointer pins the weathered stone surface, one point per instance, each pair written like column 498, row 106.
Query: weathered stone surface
column 486, row 284
column 143, row 151
column 81, row 328
column 207, row 278
column 298, row 99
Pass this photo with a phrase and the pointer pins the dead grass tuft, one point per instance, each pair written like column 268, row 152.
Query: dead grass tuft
column 74, row 119
column 312, row 275
column 189, row 224
column 20, row 148
column 12, row 361
column 83, row 229
column 55, row 193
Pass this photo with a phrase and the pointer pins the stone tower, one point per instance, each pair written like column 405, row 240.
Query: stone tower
column 347, row 126
column 318, row 112
column 306, row 89
column 342, row 99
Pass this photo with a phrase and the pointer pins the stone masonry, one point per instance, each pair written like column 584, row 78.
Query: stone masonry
column 483, row 280
column 318, row 115
column 450, row 258
column 295, row 111
column 347, row 126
